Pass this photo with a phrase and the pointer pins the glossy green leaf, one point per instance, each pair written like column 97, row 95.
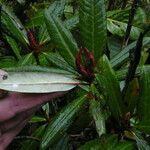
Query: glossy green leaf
column 123, row 55
column 37, row 82
column 98, row 115
column 92, row 24
column 61, row 122
column 144, row 102
column 107, row 81
column 12, row 25
column 62, row 38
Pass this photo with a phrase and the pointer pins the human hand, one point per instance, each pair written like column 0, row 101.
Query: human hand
column 15, row 111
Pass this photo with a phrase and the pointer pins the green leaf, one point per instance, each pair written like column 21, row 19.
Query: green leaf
column 63, row 143
column 141, row 143
column 72, row 22
column 109, row 85
column 43, row 35
column 14, row 47
column 59, row 62
column 107, row 142
column 62, row 38
column 28, row 59
column 125, row 145
column 7, row 61
column 144, row 102
column 121, row 74
column 93, row 26
column 98, row 115
column 37, row 82
column 32, row 68
column 119, row 28
column 12, row 25
column 61, row 122
column 123, row 55
column 144, row 126
column 33, row 144
column 36, row 119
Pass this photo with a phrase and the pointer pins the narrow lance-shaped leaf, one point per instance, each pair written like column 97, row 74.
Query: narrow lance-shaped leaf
column 59, row 62
column 93, row 26
column 98, row 116
column 107, row 81
column 61, row 37
column 37, row 82
column 13, row 44
column 61, row 122
column 12, row 25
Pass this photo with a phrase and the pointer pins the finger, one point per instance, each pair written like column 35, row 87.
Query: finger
column 11, row 123
column 15, row 103
column 7, row 137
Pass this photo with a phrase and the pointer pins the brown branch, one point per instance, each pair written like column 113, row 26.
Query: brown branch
column 130, row 21
column 135, row 56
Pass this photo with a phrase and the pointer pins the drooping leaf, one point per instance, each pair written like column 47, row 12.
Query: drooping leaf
column 93, row 25
column 61, row 37
column 109, row 85
column 37, row 82
column 61, row 122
